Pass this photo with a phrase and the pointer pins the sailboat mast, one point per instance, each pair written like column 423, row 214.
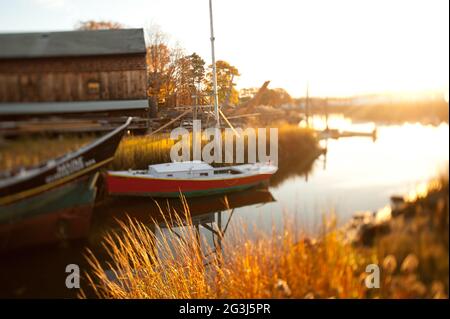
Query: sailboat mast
column 307, row 104
column 214, row 74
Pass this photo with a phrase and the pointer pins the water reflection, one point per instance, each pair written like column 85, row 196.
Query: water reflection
column 362, row 174
column 296, row 164
column 148, row 210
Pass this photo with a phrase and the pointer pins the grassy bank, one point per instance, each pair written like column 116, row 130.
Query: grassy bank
column 413, row 258
column 413, row 245
column 173, row 266
column 296, row 146
column 32, row 151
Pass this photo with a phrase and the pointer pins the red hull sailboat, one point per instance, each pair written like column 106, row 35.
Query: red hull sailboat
column 193, row 178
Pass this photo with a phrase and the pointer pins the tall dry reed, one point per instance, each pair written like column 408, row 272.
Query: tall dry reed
column 174, row 264
column 295, row 146
column 284, row 263
column 32, row 151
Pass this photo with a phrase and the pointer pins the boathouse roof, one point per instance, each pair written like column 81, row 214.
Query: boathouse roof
column 72, row 43
column 70, row 107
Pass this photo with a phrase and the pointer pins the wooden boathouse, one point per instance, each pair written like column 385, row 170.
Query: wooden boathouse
column 99, row 74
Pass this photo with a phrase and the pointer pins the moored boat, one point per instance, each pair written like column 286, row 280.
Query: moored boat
column 192, row 178
column 59, row 171
column 62, row 213
column 54, row 201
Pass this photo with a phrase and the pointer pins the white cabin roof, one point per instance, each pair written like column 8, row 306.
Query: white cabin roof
column 181, row 167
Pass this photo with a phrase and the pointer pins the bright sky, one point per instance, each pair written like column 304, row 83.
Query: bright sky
column 340, row 48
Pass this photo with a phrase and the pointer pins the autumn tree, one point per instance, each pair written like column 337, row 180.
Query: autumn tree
column 173, row 76
column 275, row 97
column 161, row 66
column 98, row 25
column 190, row 77
column 226, row 73
column 197, row 65
column 184, row 83
column 198, row 72
column 160, row 70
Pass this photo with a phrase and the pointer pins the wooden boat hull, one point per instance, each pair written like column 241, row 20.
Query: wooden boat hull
column 158, row 187
column 62, row 213
column 62, row 170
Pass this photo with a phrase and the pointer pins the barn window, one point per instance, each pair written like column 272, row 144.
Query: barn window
column 93, row 87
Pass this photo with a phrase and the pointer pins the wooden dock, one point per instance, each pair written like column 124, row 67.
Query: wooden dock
column 58, row 125
column 336, row 134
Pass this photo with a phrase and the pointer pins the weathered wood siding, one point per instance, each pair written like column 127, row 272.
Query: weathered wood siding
column 72, row 79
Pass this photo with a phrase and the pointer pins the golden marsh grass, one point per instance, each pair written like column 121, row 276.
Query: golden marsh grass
column 283, row 263
column 173, row 265
column 32, row 151
column 140, row 151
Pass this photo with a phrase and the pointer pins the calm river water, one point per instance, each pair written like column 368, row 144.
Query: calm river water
column 360, row 174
